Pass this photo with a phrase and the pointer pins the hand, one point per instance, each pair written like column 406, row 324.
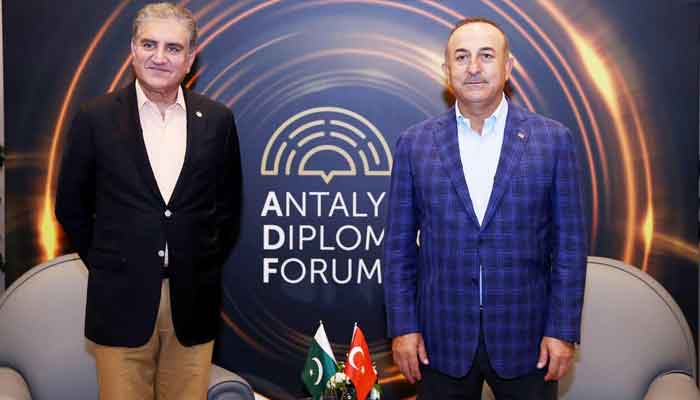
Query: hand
column 407, row 350
column 560, row 354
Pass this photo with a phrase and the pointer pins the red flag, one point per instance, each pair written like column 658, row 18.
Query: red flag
column 359, row 366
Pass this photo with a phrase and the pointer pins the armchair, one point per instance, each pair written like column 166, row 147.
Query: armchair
column 635, row 341
column 43, row 351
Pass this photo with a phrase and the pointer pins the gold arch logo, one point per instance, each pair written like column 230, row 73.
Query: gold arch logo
column 350, row 137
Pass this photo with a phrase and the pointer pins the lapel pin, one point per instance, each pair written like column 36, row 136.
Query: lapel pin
column 521, row 135
column 198, row 114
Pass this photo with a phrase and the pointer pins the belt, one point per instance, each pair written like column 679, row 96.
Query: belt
column 164, row 272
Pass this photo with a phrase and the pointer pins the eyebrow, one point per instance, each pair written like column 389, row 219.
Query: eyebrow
column 480, row 49
column 147, row 40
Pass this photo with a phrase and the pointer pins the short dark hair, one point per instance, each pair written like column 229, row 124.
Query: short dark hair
column 483, row 20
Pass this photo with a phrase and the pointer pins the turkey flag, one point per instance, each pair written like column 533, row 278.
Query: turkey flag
column 359, row 366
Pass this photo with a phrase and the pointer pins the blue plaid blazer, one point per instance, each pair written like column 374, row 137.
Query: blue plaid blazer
column 532, row 245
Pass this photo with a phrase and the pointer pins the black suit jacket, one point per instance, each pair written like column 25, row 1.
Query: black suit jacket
column 113, row 214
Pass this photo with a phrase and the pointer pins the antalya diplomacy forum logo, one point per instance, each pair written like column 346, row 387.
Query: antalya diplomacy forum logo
column 327, row 129
column 331, row 235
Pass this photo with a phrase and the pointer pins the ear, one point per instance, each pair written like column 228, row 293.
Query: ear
column 446, row 71
column 510, row 61
column 190, row 60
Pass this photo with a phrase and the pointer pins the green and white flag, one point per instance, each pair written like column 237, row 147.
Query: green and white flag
column 320, row 364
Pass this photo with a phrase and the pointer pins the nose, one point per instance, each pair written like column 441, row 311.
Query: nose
column 473, row 67
column 159, row 56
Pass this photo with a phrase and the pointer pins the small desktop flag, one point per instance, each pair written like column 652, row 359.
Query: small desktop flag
column 320, row 364
column 359, row 366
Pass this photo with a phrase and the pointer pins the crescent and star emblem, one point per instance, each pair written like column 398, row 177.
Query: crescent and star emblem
column 351, row 358
column 320, row 370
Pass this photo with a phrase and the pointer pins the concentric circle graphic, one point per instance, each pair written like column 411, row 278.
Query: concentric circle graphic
column 351, row 136
column 321, row 89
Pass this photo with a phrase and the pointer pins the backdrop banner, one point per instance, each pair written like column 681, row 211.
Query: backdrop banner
column 321, row 89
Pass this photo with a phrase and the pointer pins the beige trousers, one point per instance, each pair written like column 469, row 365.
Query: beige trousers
column 162, row 369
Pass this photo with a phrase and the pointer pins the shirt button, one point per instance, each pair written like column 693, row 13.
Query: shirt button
column 168, row 213
column 161, row 253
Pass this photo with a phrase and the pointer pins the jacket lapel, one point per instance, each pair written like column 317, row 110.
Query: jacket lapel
column 514, row 142
column 130, row 126
column 445, row 135
column 196, row 124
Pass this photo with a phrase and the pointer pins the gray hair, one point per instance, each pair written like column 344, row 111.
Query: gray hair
column 166, row 11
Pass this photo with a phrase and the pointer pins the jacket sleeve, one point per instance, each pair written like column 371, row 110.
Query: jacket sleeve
column 569, row 246
column 75, row 192
column 400, row 248
column 229, row 190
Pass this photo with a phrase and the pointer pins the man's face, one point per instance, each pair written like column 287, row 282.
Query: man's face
column 477, row 65
column 161, row 54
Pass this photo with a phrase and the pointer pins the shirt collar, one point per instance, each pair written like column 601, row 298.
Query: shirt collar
column 489, row 123
column 142, row 100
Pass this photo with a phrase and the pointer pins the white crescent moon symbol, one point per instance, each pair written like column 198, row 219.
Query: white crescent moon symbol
column 320, row 370
column 353, row 352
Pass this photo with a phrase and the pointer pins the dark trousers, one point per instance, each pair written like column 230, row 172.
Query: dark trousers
column 436, row 385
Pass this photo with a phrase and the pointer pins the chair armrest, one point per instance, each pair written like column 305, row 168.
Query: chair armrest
column 673, row 385
column 225, row 385
column 13, row 386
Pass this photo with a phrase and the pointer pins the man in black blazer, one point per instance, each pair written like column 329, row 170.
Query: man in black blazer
column 149, row 195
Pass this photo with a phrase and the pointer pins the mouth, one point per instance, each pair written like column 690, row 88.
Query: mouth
column 475, row 86
column 158, row 69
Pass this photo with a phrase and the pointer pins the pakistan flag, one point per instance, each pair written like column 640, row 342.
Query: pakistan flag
column 320, row 364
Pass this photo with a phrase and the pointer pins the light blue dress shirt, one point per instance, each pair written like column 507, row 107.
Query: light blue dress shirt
column 479, row 154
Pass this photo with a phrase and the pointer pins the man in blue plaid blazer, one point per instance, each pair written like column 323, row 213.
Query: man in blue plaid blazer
column 493, row 288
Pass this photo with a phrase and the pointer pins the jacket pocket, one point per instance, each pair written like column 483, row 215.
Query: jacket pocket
column 106, row 260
